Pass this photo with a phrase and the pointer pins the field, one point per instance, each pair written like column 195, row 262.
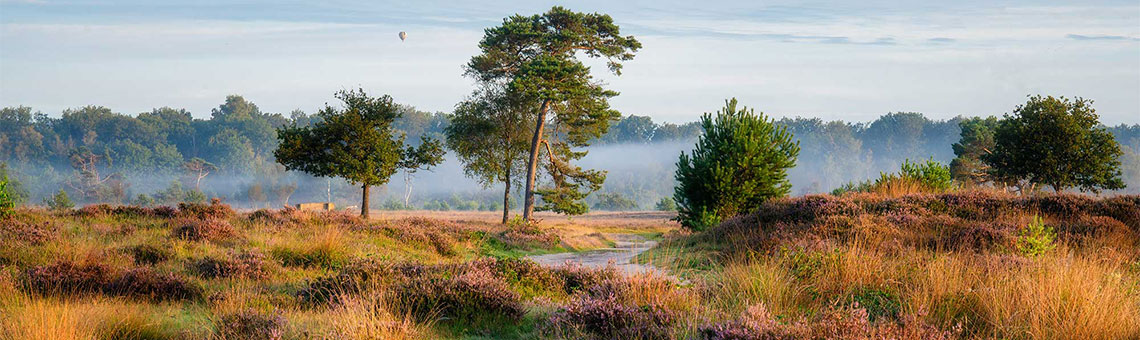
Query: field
column 859, row 266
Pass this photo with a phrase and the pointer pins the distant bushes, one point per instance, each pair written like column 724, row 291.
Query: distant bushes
column 614, row 202
column 913, row 177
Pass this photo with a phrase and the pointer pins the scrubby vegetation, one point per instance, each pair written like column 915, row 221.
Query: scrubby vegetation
column 964, row 264
column 859, row 266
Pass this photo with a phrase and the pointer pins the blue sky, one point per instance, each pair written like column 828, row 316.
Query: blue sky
column 829, row 59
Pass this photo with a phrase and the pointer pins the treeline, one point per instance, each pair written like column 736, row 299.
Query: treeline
column 149, row 153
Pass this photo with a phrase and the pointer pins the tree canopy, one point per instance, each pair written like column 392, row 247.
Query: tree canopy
column 1056, row 142
column 356, row 143
column 537, row 58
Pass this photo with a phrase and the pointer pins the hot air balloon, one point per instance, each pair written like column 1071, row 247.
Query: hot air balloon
column 403, row 35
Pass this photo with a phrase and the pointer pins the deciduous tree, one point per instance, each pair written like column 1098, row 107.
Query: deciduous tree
column 1056, row 142
column 355, row 142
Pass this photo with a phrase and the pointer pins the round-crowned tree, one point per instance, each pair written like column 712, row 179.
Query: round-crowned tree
column 741, row 161
column 1056, row 142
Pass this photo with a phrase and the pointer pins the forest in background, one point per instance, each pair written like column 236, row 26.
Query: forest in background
column 98, row 155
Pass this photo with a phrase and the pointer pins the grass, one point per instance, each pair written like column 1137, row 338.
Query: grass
column 861, row 266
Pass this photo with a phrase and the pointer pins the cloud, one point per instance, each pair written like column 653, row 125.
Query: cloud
column 941, row 40
column 1101, row 37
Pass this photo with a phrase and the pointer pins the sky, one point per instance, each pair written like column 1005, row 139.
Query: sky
column 836, row 60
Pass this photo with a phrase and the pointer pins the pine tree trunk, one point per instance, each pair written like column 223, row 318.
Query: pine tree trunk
column 507, row 195
column 364, row 202
column 532, row 165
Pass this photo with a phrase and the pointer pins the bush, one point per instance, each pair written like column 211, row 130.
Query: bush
column 614, row 202
column 149, row 254
column 7, row 198
column 475, row 295
column 666, row 204
column 198, row 230
column 214, row 210
column 247, row 265
column 27, row 232
column 1035, row 239
column 251, row 325
column 527, row 236
column 63, row 278
column 145, row 283
column 605, row 317
column 59, row 201
column 931, row 174
column 739, row 162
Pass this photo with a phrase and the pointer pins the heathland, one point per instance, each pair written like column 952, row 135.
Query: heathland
column 968, row 264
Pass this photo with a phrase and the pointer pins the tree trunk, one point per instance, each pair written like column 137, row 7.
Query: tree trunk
column 507, row 195
column 364, row 202
column 532, row 165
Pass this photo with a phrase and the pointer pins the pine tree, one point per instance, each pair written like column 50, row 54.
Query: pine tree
column 741, row 161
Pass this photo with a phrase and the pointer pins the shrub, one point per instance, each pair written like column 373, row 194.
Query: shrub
column 64, row 277
column 27, row 232
column 7, row 198
column 739, row 162
column 475, row 295
column 149, row 254
column 59, row 201
column 1035, row 239
column 527, row 236
column 145, row 283
column 197, row 230
column 251, row 325
column 215, row 210
column 931, row 174
column 605, row 317
column 246, row 264
column 666, row 204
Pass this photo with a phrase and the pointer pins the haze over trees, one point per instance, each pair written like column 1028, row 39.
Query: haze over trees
column 537, row 58
column 356, row 143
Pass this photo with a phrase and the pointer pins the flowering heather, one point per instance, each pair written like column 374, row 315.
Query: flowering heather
column 198, row 230
column 26, row 232
column 66, row 277
column 214, row 210
column 145, row 283
column 247, row 264
column 251, row 325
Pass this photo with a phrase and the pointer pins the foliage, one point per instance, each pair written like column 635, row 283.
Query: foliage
column 537, row 57
column 930, row 174
column 977, row 140
column 59, row 201
column 489, row 135
column 740, row 162
column 614, row 202
column 1035, row 239
column 7, row 201
column 1056, row 142
column 356, row 143
column 666, row 204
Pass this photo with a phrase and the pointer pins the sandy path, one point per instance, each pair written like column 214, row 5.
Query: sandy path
column 626, row 247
